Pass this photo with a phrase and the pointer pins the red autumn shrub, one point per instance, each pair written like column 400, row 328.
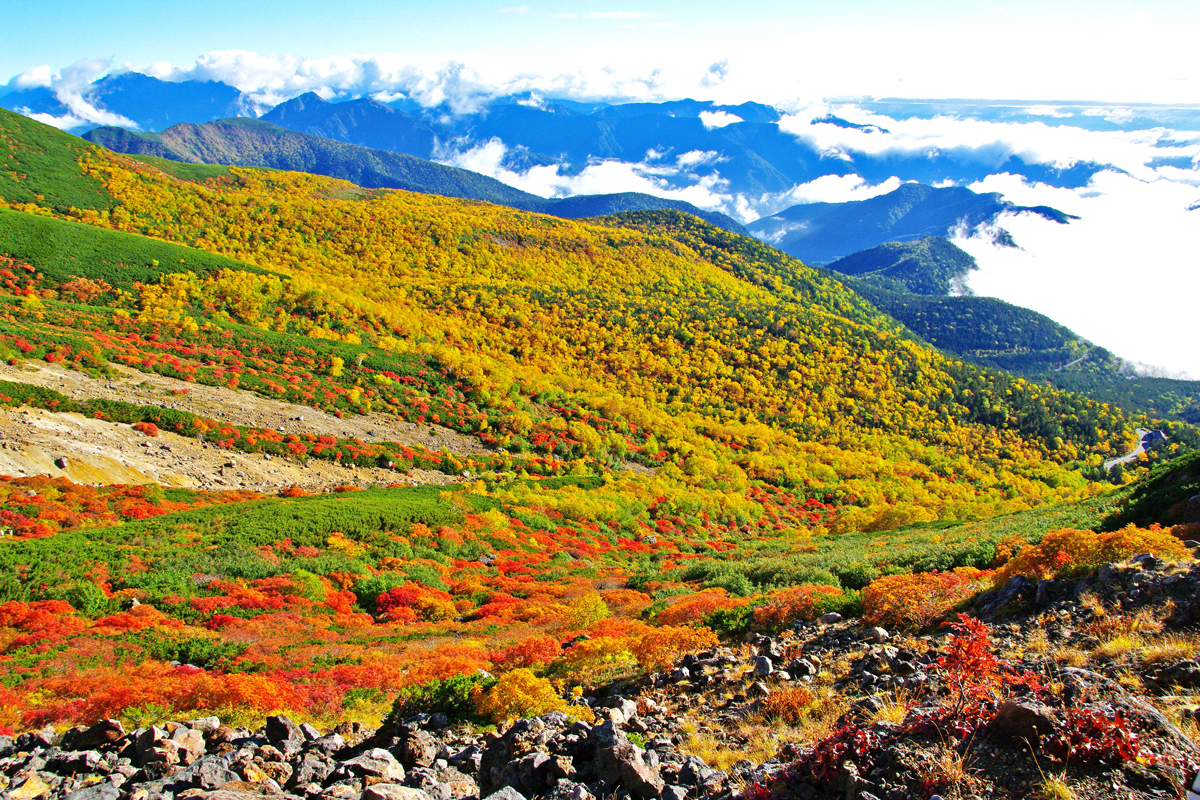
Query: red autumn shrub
column 148, row 428
column 413, row 602
column 531, row 652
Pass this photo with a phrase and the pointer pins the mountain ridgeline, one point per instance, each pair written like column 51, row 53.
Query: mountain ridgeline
column 255, row 143
column 820, row 233
column 757, row 155
column 932, row 265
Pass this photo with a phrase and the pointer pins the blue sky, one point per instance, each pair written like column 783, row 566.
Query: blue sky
column 1098, row 50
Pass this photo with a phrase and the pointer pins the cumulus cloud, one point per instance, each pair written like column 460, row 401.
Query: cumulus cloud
column 718, row 119
column 1124, row 275
column 34, row 78
column 71, row 86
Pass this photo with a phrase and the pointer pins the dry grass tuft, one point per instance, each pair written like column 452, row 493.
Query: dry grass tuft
column 1118, row 625
column 1054, row 788
column 947, row 768
column 1169, row 650
column 895, row 708
column 791, row 704
column 1119, row 646
column 1037, row 641
column 1070, row 656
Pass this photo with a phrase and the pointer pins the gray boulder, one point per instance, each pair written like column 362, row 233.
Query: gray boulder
column 285, row 734
column 417, row 748
column 619, row 762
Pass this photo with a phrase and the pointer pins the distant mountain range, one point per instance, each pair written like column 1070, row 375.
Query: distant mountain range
column 819, row 233
column 754, row 150
column 254, row 143
column 148, row 102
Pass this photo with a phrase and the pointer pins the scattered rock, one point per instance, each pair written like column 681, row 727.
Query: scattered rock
column 877, row 635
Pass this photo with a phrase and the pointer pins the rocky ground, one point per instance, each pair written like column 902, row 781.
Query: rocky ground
column 1095, row 700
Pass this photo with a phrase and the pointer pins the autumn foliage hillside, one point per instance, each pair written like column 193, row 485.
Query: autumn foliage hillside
column 687, row 434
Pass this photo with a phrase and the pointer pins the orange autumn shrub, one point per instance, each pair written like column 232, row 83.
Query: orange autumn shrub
column 693, row 608
column 789, row 704
column 629, row 602
column 108, row 692
column 521, row 694
column 148, row 428
column 659, row 648
column 915, row 601
column 10, row 715
column 794, row 603
column 1069, row 551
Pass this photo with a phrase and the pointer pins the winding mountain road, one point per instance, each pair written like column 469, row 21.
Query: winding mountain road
column 1143, row 438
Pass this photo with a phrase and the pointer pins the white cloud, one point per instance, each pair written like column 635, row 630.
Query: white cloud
column 987, row 143
column 697, row 158
column 70, row 87
column 718, row 119
column 32, row 78
column 831, row 189
column 716, row 74
column 514, row 10
column 599, row 177
column 1125, row 276
column 1047, row 111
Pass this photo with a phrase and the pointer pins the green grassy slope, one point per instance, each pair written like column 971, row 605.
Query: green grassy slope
column 61, row 250
column 53, row 158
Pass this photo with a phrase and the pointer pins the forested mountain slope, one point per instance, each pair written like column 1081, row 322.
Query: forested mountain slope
column 253, row 143
column 912, row 282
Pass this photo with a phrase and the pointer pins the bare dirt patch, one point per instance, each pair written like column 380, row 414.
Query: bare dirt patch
column 237, row 407
column 33, row 442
